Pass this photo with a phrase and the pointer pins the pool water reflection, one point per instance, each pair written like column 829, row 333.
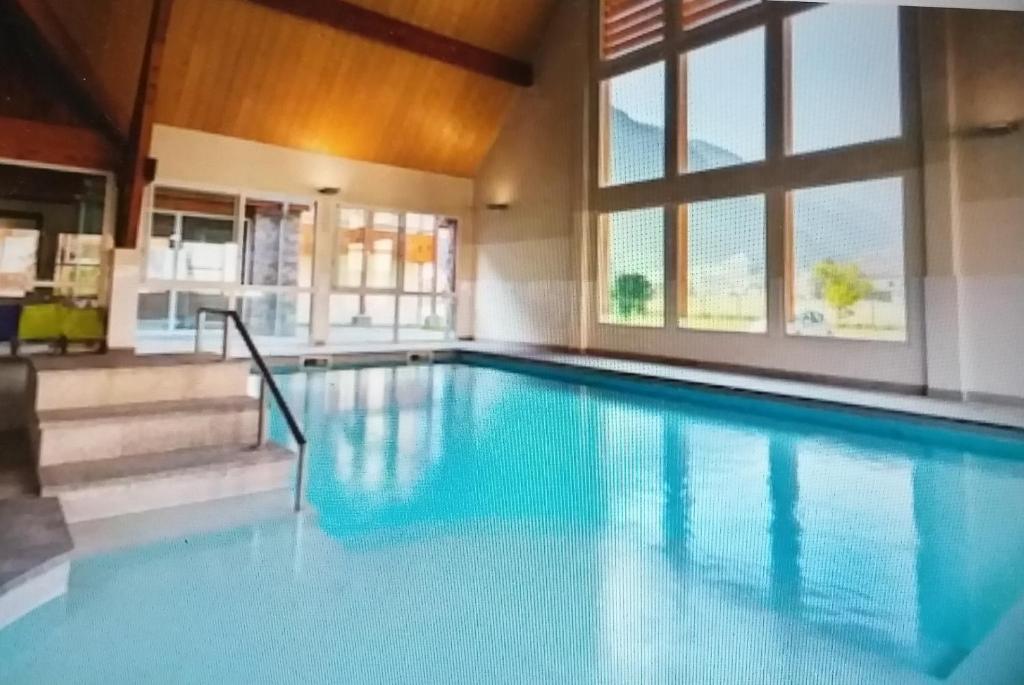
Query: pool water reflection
column 470, row 524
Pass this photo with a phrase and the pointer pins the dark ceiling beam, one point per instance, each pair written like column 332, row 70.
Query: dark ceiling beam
column 44, row 34
column 137, row 170
column 375, row 26
column 36, row 141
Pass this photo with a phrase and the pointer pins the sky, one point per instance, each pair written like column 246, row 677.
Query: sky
column 845, row 61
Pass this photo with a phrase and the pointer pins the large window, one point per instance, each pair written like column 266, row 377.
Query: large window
column 632, row 253
column 722, row 265
column 844, row 66
column 845, row 261
column 722, row 85
column 794, row 158
column 633, row 126
column 393, row 277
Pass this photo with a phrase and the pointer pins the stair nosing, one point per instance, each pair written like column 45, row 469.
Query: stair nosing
column 273, row 454
column 157, row 408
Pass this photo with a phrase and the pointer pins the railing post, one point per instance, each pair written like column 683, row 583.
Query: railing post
column 261, row 436
column 200, row 322
column 299, row 477
column 224, row 351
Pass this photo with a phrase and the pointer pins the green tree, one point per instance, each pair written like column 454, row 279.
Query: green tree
column 842, row 285
column 631, row 294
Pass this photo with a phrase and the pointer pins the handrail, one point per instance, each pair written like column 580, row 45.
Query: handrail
column 266, row 380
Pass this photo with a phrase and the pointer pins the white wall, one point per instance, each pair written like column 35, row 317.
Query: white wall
column 528, row 262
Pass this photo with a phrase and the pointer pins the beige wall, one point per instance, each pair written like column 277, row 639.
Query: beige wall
column 985, row 74
column 528, row 256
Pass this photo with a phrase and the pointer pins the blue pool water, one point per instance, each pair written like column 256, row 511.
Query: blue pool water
column 475, row 525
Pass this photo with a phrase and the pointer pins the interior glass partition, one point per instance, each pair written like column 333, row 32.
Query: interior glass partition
column 389, row 274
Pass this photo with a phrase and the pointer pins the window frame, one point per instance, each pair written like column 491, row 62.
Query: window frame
column 775, row 177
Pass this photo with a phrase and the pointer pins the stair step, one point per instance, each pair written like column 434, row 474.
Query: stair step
column 100, row 489
column 34, row 548
column 115, row 379
column 115, row 431
column 17, row 482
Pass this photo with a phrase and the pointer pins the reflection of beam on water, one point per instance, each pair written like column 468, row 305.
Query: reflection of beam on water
column 298, row 553
column 678, row 503
column 942, row 567
column 785, row 527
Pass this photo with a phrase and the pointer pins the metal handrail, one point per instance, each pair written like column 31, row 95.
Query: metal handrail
column 266, row 380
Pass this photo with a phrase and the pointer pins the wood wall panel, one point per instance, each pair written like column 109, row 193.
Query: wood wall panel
column 236, row 68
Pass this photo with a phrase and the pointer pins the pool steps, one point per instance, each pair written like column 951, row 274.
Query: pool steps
column 124, row 430
column 124, row 434
column 121, row 434
column 127, row 485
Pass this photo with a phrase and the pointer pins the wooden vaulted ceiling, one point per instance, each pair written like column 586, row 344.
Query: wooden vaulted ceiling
column 237, row 68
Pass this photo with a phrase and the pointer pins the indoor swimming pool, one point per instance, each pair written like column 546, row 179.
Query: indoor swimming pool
column 499, row 521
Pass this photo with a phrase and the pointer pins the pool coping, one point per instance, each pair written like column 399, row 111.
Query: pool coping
column 1004, row 419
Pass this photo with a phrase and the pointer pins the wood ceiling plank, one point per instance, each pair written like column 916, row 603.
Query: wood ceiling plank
column 278, row 79
column 393, row 31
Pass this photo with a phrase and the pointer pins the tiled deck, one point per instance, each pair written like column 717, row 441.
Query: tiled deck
column 1000, row 415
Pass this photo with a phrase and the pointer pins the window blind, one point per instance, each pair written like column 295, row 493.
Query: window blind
column 628, row 25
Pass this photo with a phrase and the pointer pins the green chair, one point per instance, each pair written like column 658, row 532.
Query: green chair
column 59, row 323
column 84, row 325
column 41, row 323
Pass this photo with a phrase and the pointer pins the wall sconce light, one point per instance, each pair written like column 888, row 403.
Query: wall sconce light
column 991, row 130
column 497, row 206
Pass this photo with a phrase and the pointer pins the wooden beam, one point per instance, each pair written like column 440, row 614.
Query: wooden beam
column 375, row 26
column 36, row 22
column 133, row 179
column 35, row 141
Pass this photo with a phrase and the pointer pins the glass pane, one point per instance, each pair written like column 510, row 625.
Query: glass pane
column 280, row 315
column 633, row 126
column 306, row 244
column 176, row 310
column 724, row 126
column 278, row 244
column 160, row 257
column 845, row 76
column 446, row 256
column 154, row 311
column 19, row 248
column 348, row 248
column 382, row 260
column 208, row 251
column 632, row 254
column 724, row 265
column 419, row 253
column 422, row 317
column 356, row 319
column 186, row 304
column 845, row 273
column 78, row 264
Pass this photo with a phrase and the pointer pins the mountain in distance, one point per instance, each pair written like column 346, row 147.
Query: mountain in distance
column 847, row 225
